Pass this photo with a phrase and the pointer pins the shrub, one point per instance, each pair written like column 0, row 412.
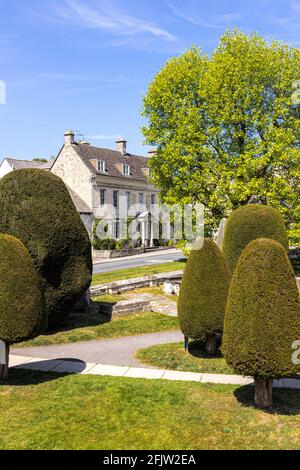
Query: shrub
column 104, row 244
column 248, row 223
column 35, row 207
column 203, row 294
column 262, row 317
column 22, row 308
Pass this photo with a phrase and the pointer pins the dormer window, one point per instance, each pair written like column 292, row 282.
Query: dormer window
column 101, row 166
column 126, row 170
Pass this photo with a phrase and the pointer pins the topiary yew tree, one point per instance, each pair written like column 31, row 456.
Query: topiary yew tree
column 248, row 223
column 35, row 206
column 22, row 308
column 203, row 294
column 262, row 318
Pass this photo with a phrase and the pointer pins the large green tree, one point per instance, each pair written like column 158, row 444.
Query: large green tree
column 227, row 129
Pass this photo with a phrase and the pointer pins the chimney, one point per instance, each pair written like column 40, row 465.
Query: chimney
column 152, row 152
column 121, row 145
column 69, row 137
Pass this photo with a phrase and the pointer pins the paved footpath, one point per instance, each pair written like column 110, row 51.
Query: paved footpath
column 115, row 351
column 115, row 357
column 81, row 367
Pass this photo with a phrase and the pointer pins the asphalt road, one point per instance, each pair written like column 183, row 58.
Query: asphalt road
column 142, row 260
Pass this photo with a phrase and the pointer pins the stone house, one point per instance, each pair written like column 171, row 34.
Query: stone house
column 10, row 164
column 104, row 182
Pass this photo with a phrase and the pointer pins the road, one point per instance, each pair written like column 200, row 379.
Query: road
column 146, row 259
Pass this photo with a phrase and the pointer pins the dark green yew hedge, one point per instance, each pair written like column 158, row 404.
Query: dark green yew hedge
column 262, row 317
column 35, row 207
column 248, row 223
column 22, row 309
column 203, row 292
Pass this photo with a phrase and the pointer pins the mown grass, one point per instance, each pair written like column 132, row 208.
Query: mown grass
column 173, row 356
column 92, row 326
column 53, row 411
column 130, row 273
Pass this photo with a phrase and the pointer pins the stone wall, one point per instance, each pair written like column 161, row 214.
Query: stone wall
column 116, row 287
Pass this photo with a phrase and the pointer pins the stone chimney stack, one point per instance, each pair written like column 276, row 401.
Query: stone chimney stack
column 152, row 152
column 69, row 137
column 121, row 145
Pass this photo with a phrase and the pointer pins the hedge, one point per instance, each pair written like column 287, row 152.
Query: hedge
column 203, row 292
column 22, row 308
column 262, row 317
column 248, row 223
column 35, row 207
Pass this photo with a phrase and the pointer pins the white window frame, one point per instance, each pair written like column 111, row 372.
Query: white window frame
column 127, row 172
column 101, row 163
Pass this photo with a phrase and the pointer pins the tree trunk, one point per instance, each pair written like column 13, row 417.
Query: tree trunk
column 211, row 345
column 4, row 367
column 263, row 392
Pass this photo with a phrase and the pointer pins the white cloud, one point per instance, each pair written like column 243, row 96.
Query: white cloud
column 210, row 21
column 104, row 15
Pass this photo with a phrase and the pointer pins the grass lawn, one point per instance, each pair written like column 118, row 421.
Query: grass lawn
column 89, row 326
column 129, row 273
column 54, row 411
column 173, row 356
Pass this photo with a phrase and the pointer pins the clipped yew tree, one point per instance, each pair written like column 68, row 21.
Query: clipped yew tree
column 35, row 207
column 248, row 223
column 203, row 294
column 22, row 309
column 262, row 319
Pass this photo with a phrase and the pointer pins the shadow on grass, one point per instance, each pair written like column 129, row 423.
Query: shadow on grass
column 197, row 349
column 285, row 401
column 22, row 377
column 82, row 319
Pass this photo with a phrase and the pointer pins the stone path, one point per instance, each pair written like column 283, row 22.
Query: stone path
column 81, row 367
column 115, row 351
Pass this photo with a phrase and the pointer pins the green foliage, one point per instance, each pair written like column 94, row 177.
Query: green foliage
column 226, row 129
column 104, row 244
column 36, row 207
column 203, row 292
column 22, row 308
column 262, row 317
column 248, row 223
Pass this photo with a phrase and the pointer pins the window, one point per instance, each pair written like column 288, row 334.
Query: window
column 102, row 197
column 101, row 166
column 126, row 170
column 128, row 199
column 141, row 198
column 152, row 198
column 116, row 198
column 116, row 229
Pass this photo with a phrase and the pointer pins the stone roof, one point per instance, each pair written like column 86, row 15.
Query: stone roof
column 21, row 164
column 112, row 158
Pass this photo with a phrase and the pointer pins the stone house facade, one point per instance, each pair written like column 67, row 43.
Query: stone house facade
column 104, row 182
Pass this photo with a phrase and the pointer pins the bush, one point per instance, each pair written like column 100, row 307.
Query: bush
column 22, row 308
column 104, row 244
column 262, row 316
column 203, row 294
column 36, row 208
column 248, row 223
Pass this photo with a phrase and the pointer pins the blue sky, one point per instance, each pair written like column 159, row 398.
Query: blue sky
column 85, row 64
